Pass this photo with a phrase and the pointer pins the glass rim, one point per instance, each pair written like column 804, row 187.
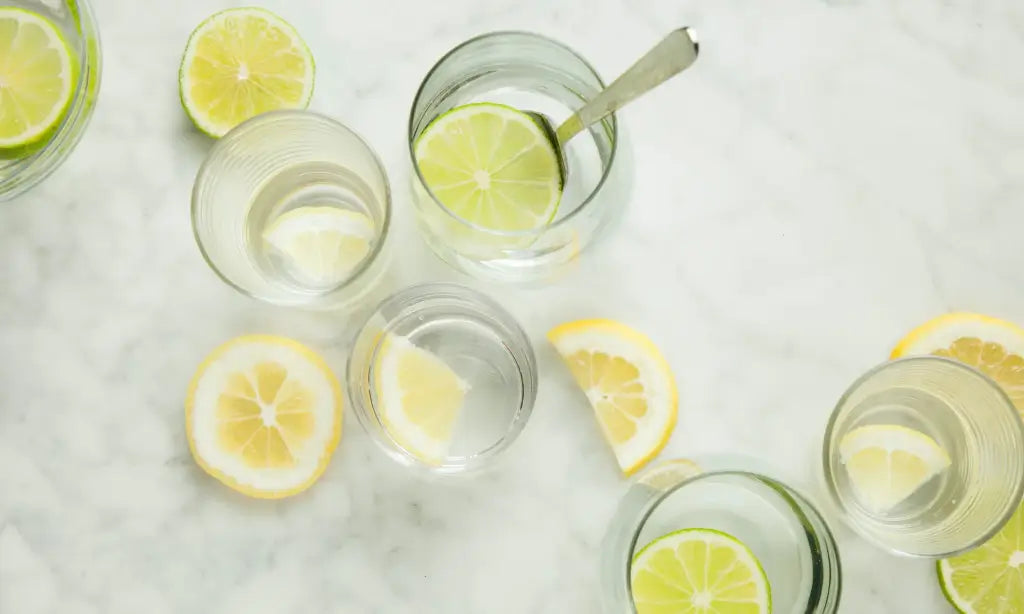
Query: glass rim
column 71, row 127
column 254, row 123
column 827, row 465
column 359, row 365
column 612, row 118
column 817, row 534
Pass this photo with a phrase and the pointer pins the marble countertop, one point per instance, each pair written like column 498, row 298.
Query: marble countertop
column 827, row 176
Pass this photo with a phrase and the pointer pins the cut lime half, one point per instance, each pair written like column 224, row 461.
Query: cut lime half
column 36, row 77
column 990, row 578
column 492, row 166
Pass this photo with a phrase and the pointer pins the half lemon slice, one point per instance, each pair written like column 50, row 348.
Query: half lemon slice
column 322, row 245
column 263, row 416
column 628, row 383
column 887, row 463
column 420, row 398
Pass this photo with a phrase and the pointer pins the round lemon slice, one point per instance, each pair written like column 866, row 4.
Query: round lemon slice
column 887, row 463
column 36, row 77
column 993, row 346
column 263, row 416
column 699, row 571
column 988, row 579
column 419, row 398
column 628, row 383
column 242, row 62
column 492, row 166
column 323, row 245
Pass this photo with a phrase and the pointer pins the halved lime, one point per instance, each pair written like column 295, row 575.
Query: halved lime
column 322, row 244
column 702, row 571
column 990, row 578
column 491, row 165
column 240, row 63
column 36, row 77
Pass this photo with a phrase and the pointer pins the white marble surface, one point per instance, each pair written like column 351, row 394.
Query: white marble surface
column 827, row 176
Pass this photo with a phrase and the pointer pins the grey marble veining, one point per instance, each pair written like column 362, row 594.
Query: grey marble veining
column 828, row 175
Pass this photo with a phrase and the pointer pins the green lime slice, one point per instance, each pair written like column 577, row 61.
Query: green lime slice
column 36, row 77
column 990, row 578
column 702, row 571
column 491, row 165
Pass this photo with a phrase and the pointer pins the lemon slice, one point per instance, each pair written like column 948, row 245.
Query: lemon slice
column 702, row 571
column 993, row 346
column 263, row 416
column 240, row 63
column 627, row 382
column 420, row 398
column 36, row 77
column 492, row 166
column 990, row 578
column 322, row 244
column 669, row 473
column 887, row 463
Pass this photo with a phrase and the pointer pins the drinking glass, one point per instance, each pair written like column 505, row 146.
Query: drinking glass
column 733, row 495
column 475, row 338
column 965, row 413
column 281, row 164
column 531, row 73
column 23, row 167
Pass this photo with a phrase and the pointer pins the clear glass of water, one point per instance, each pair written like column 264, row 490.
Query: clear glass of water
column 971, row 418
column 23, row 167
column 287, row 163
column 531, row 73
column 781, row 527
column 480, row 342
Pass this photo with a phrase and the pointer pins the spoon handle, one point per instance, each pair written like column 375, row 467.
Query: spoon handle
column 668, row 58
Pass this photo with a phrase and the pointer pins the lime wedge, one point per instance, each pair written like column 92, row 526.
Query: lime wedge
column 492, row 166
column 990, row 578
column 703, row 571
column 240, row 63
column 322, row 244
column 36, row 77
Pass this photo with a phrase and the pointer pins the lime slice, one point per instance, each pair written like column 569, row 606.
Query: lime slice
column 703, row 571
column 240, row 63
column 36, row 77
column 322, row 244
column 990, row 578
column 492, row 166
column 420, row 398
column 887, row 463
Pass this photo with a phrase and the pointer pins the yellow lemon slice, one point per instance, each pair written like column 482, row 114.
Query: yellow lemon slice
column 702, row 571
column 322, row 244
column 993, row 346
column 668, row 473
column 420, row 398
column 887, row 463
column 628, row 383
column 263, row 416
column 240, row 63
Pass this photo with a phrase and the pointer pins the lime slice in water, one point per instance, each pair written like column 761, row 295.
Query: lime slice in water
column 322, row 244
column 703, row 571
column 990, row 578
column 36, row 77
column 492, row 166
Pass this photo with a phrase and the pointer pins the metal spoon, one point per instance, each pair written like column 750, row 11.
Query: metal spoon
column 675, row 53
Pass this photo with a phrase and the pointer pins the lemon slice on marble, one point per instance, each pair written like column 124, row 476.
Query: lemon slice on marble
column 420, row 398
column 990, row 578
column 322, row 245
column 263, row 415
column 491, row 165
column 887, row 463
column 36, row 77
column 699, row 571
column 628, row 383
column 993, row 346
column 242, row 62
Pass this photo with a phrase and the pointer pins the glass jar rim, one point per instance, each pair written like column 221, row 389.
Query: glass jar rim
column 254, row 123
column 612, row 119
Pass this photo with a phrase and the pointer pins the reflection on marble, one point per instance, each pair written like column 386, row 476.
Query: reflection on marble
column 828, row 175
